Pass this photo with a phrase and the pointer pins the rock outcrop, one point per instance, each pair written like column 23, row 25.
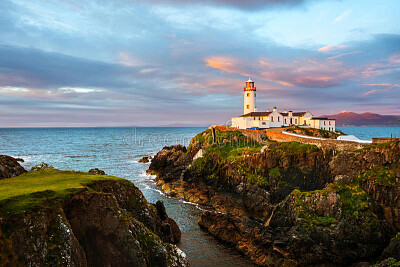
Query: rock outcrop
column 10, row 167
column 97, row 171
column 145, row 159
column 107, row 223
column 42, row 166
column 290, row 203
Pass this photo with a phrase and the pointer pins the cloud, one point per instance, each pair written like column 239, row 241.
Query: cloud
column 387, row 66
column 131, row 62
column 343, row 54
column 388, row 88
column 377, row 84
column 125, row 58
column 80, row 90
column 342, row 16
column 226, row 64
column 331, row 48
column 244, row 5
column 300, row 72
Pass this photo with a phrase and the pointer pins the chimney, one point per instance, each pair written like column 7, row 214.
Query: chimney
column 285, row 111
column 255, row 109
column 290, row 113
column 274, row 109
column 267, row 109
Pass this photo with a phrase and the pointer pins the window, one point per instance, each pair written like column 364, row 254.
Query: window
column 279, row 118
column 295, row 121
column 272, row 118
column 329, row 122
column 324, row 122
column 254, row 94
column 248, row 94
column 248, row 106
column 285, row 121
column 263, row 123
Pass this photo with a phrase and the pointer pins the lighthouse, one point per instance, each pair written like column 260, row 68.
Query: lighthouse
column 249, row 97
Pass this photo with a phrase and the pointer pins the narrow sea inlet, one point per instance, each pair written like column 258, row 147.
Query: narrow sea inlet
column 117, row 151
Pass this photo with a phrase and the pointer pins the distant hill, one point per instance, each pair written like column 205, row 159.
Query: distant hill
column 365, row 119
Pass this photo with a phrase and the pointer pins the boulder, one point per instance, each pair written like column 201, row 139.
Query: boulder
column 97, row 171
column 169, row 163
column 10, row 167
column 42, row 166
column 145, row 159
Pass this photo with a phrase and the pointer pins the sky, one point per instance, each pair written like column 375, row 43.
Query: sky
column 72, row 63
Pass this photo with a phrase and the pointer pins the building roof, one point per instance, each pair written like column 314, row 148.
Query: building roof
column 256, row 114
column 299, row 113
column 322, row 118
column 295, row 114
column 266, row 113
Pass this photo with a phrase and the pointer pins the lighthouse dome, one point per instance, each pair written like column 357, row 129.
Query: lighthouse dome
column 249, row 81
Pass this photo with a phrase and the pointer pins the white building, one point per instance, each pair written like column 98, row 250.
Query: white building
column 253, row 119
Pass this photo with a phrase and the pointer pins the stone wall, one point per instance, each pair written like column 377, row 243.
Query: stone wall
column 274, row 134
column 326, row 143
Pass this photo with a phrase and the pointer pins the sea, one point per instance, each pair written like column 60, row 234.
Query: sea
column 117, row 152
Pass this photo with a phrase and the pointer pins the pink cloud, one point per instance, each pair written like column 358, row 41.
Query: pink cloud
column 302, row 72
column 331, row 48
column 377, row 84
column 390, row 87
column 224, row 63
column 392, row 64
column 126, row 59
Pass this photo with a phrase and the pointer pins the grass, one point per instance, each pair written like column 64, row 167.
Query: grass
column 386, row 145
column 354, row 202
column 306, row 212
column 257, row 179
column 315, row 132
column 275, row 173
column 383, row 176
column 40, row 188
column 296, row 147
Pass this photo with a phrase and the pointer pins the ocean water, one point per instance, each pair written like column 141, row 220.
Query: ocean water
column 367, row 133
column 117, row 151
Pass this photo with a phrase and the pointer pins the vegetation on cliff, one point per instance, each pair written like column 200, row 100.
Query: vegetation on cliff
column 315, row 132
column 288, row 202
column 53, row 217
column 36, row 189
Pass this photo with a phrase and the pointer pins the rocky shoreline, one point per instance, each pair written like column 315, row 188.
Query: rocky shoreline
column 286, row 203
column 97, row 220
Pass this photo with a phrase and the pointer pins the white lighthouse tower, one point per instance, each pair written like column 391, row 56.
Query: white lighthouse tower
column 249, row 97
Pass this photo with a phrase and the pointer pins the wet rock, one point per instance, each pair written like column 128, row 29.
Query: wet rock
column 393, row 249
column 42, row 166
column 169, row 163
column 343, row 179
column 97, row 171
column 145, row 159
column 9, row 167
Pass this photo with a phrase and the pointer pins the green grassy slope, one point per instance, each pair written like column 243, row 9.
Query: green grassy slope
column 34, row 189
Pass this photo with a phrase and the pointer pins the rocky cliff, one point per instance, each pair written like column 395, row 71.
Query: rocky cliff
column 9, row 167
column 289, row 203
column 82, row 219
